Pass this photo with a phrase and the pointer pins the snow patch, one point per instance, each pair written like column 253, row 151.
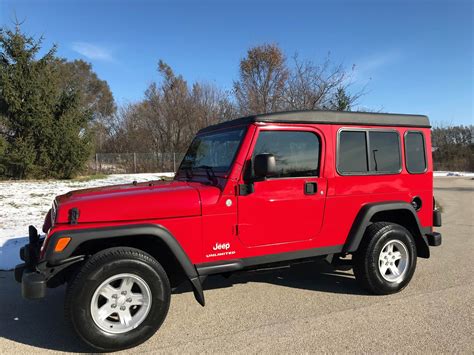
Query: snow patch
column 452, row 173
column 24, row 203
column 9, row 249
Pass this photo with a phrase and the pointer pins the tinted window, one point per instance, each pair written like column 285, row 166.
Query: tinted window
column 352, row 152
column 214, row 150
column 384, row 152
column 296, row 153
column 415, row 152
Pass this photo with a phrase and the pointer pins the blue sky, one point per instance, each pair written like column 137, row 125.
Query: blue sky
column 414, row 56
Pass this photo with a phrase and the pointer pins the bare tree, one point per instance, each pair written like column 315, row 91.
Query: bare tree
column 267, row 84
column 166, row 109
column 262, row 78
column 209, row 105
column 128, row 131
column 170, row 114
column 453, row 147
column 313, row 86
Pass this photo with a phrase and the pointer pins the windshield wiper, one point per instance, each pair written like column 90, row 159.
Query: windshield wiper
column 211, row 175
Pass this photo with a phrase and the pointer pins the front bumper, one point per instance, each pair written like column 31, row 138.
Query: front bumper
column 34, row 273
column 33, row 283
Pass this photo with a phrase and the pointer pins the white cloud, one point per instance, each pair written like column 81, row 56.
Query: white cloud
column 92, row 51
column 367, row 67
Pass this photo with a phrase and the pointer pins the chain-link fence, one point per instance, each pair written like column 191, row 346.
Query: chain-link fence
column 129, row 163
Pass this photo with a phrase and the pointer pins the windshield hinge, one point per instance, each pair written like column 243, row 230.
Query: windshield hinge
column 245, row 189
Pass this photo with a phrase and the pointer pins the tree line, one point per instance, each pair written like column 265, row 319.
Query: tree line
column 173, row 110
column 453, row 147
column 55, row 113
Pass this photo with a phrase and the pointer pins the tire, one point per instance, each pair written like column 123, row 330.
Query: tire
column 386, row 258
column 126, row 281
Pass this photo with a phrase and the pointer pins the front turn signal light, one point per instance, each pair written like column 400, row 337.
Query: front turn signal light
column 61, row 244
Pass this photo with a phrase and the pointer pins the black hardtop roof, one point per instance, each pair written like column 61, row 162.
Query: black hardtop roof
column 329, row 117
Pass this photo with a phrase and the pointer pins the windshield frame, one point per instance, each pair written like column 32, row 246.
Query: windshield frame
column 182, row 171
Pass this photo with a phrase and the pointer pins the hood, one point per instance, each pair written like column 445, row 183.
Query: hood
column 130, row 202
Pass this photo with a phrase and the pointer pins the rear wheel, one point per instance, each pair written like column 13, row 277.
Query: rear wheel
column 386, row 259
column 118, row 299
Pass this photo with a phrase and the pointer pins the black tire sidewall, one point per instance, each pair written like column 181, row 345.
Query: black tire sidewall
column 382, row 237
column 83, row 289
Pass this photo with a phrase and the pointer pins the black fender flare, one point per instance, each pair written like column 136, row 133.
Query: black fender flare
column 79, row 236
column 363, row 220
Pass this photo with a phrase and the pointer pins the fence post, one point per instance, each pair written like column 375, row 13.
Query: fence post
column 135, row 163
column 96, row 163
column 174, row 162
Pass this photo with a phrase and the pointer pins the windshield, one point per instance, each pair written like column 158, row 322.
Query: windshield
column 213, row 151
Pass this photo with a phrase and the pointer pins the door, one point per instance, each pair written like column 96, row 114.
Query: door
column 289, row 206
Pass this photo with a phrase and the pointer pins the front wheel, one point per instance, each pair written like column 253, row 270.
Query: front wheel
column 119, row 299
column 386, row 259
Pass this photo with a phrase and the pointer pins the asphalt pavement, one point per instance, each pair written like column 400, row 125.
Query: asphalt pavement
column 305, row 308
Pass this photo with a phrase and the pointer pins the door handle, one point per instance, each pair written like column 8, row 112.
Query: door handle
column 310, row 188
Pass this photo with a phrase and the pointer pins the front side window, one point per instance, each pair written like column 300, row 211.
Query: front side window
column 296, row 152
column 415, row 158
column 213, row 151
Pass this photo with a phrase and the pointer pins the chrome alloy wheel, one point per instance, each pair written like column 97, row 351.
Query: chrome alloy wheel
column 121, row 303
column 393, row 261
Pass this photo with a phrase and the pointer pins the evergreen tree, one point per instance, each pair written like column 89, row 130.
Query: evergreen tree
column 43, row 127
column 341, row 101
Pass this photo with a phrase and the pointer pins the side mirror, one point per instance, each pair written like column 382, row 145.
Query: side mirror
column 264, row 165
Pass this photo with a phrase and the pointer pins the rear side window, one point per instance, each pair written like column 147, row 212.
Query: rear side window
column 384, row 152
column 296, row 153
column 353, row 152
column 415, row 158
column 365, row 152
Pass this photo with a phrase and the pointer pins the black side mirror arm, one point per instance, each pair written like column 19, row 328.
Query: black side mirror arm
column 246, row 189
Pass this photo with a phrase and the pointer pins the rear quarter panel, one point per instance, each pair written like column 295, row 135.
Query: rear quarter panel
column 347, row 194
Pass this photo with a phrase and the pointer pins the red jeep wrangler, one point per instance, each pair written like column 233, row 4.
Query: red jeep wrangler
column 259, row 190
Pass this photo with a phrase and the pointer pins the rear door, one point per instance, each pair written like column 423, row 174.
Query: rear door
column 289, row 207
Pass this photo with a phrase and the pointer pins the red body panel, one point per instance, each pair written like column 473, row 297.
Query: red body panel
column 213, row 223
column 131, row 202
column 291, row 216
